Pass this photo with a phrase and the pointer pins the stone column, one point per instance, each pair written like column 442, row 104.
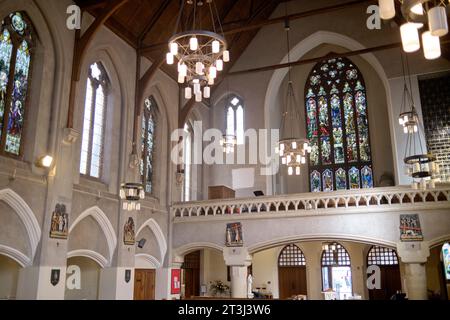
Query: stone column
column 239, row 260
column 414, row 256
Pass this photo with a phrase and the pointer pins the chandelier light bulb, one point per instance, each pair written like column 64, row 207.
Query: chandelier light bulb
column 169, row 58
column 199, row 68
column 283, row 160
column 289, row 158
column 282, row 146
column 210, row 81
column 410, row 37
column 226, row 56
column 400, row 121
column 416, row 129
column 181, row 78
column 291, row 171
column 219, row 65
column 431, row 46
column 294, row 145
column 417, row 9
column 198, row 97
column 174, row 48
column 213, row 72
column 387, row 9
column 183, row 70
column 207, row 92
column 197, row 88
column 188, row 93
column 297, row 171
column 437, row 20
column 215, row 46
column 299, row 159
column 303, row 160
column 193, row 44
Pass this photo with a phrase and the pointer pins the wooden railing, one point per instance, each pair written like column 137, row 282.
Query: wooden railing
column 391, row 198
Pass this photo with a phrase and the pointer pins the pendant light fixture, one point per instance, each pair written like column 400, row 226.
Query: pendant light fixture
column 131, row 194
column 417, row 14
column 292, row 148
column 200, row 54
column 419, row 165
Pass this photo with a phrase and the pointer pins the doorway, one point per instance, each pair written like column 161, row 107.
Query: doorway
column 144, row 284
column 291, row 272
column 387, row 260
column 191, row 272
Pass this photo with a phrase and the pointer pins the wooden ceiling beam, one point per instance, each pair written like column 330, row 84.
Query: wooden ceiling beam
column 153, row 20
column 319, row 59
column 81, row 44
column 87, row 5
column 258, row 25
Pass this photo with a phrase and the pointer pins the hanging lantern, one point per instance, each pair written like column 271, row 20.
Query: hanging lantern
column 437, row 20
column 387, row 9
column 410, row 37
column 431, row 46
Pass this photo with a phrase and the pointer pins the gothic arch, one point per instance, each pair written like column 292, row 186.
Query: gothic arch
column 16, row 255
column 26, row 215
column 105, row 225
column 298, row 51
column 159, row 235
column 95, row 256
column 150, row 261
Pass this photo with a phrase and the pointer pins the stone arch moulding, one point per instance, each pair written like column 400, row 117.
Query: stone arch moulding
column 303, row 47
column 149, row 259
column 159, row 235
column 26, row 215
column 436, row 242
column 318, row 237
column 105, row 225
column 188, row 248
column 95, row 256
column 16, row 255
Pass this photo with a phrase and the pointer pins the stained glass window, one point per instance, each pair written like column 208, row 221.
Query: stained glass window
column 338, row 128
column 94, row 121
column 16, row 46
column 235, row 119
column 148, row 143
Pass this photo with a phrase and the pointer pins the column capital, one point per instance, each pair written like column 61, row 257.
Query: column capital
column 413, row 252
column 237, row 256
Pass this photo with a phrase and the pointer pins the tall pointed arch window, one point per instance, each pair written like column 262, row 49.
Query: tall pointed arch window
column 148, row 133
column 94, row 121
column 235, row 119
column 187, row 160
column 16, row 48
column 338, row 127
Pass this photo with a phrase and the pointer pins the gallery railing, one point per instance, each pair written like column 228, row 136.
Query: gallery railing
column 350, row 201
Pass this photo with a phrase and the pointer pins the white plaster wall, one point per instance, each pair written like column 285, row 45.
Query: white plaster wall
column 9, row 276
column 90, row 272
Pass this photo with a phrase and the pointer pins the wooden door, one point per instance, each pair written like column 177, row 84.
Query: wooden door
column 390, row 283
column 292, row 281
column 191, row 268
column 144, row 284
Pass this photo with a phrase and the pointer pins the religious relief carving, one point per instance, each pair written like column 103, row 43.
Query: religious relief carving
column 129, row 233
column 59, row 228
column 234, row 236
column 410, row 229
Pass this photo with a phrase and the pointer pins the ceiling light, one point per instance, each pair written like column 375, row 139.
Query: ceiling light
column 45, row 161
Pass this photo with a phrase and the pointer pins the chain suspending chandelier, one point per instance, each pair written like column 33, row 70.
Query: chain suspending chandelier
column 292, row 148
column 419, row 13
column 201, row 54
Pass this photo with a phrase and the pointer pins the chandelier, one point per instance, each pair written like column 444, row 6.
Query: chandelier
column 420, row 166
column 228, row 142
column 419, row 13
column 201, row 54
column 131, row 194
column 329, row 246
column 291, row 147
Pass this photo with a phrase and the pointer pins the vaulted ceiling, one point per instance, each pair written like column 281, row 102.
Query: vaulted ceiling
column 147, row 25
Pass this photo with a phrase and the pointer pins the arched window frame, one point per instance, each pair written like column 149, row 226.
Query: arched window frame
column 291, row 256
column 330, row 81
column 90, row 119
column 148, row 143
column 234, row 118
column 330, row 259
column 187, row 160
column 17, row 37
column 382, row 256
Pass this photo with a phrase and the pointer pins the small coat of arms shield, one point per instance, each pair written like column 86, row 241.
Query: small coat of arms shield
column 56, row 273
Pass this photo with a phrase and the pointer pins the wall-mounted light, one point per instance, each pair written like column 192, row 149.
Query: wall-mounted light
column 45, row 161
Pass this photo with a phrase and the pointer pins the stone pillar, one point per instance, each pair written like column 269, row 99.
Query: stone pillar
column 414, row 255
column 313, row 250
column 239, row 282
column 239, row 260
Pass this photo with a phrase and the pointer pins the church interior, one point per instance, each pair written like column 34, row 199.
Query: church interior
column 224, row 149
